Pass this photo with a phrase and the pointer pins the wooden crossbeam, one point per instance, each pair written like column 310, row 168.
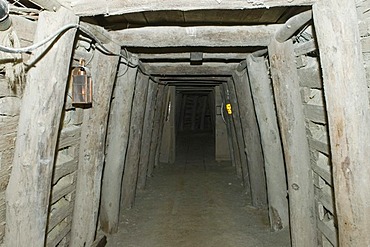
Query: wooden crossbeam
column 119, row 7
column 203, row 36
column 167, row 69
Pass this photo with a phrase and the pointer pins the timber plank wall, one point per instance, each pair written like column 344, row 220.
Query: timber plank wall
column 10, row 103
column 9, row 115
column 363, row 13
column 66, row 162
column 311, row 85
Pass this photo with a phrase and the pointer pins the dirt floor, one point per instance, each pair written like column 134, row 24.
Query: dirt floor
column 196, row 202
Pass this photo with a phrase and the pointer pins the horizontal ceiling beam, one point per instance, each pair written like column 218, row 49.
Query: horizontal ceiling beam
column 51, row 5
column 165, row 69
column 186, row 55
column 119, row 7
column 202, row 36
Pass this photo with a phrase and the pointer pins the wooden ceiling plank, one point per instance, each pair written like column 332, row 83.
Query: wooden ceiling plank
column 203, row 36
column 186, row 55
column 187, row 69
column 118, row 7
column 51, row 5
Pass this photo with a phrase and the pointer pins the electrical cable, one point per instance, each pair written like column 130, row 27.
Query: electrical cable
column 59, row 32
column 101, row 47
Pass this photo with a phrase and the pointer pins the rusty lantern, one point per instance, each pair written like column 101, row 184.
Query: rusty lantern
column 81, row 86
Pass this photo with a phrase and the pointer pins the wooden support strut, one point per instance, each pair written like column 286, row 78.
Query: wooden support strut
column 295, row 144
column 292, row 26
column 232, row 140
column 347, row 102
column 161, row 125
column 129, row 180
column 239, row 138
column 28, row 191
column 155, row 130
column 147, row 135
column 252, row 140
column 119, row 7
column 205, row 36
column 167, row 150
column 260, row 84
column 117, row 141
column 92, row 148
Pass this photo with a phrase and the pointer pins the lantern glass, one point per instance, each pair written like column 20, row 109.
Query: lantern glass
column 82, row 89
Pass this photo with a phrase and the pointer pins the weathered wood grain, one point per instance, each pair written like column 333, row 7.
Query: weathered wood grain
column 252, row 139
column 92, row 148
column 348, row 116
column 263, row 98
column 117, row 7
column 51, row 5
column 28, row 191
column 155, row 130
column 241, row 161
column 117, row 141
column 295, row 144
column 204, row 36
column 130, row 173
column 147, row 135
column 178, row 69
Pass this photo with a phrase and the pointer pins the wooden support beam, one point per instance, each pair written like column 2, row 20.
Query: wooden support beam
column 118, row 7
column 260, row 84
column 161, row 125
column 203, row 112
column 134, row 142
column 92, row 149
column 186, row 55
column 222, row 151
column 117, row 141
column 155, row 133
column 178, row 69
column 99, row 32
column 293, row 25
column 231, row 137
column 204, row 36
column 182, row 111
column 50, row 5
column 295, row 144
column 28, row 191
column 239, row 137
column 194, row 111
column 168, row 143
column 147, row 135
column 348, row 116
column 252, row 140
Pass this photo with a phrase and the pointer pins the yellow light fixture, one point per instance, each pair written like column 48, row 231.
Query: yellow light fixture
column 228, row 109
column 81, row 86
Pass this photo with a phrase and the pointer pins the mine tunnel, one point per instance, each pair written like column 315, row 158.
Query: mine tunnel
column 184, row 123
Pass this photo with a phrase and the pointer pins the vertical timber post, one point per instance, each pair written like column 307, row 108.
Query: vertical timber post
column 222, row 151
column 231, row 137
column 167, row 154
column 239, row 135
column 117, row 141
column 161, row 125
column 28, row 191
column 147, row 134
column 252, row 139
column 347, row 103
column 155, row 130
column 92, row 148
column 295, row 144
column 271, row 142
column 134, row 143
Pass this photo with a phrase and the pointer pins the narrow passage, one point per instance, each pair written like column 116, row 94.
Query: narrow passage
column 195, row 202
